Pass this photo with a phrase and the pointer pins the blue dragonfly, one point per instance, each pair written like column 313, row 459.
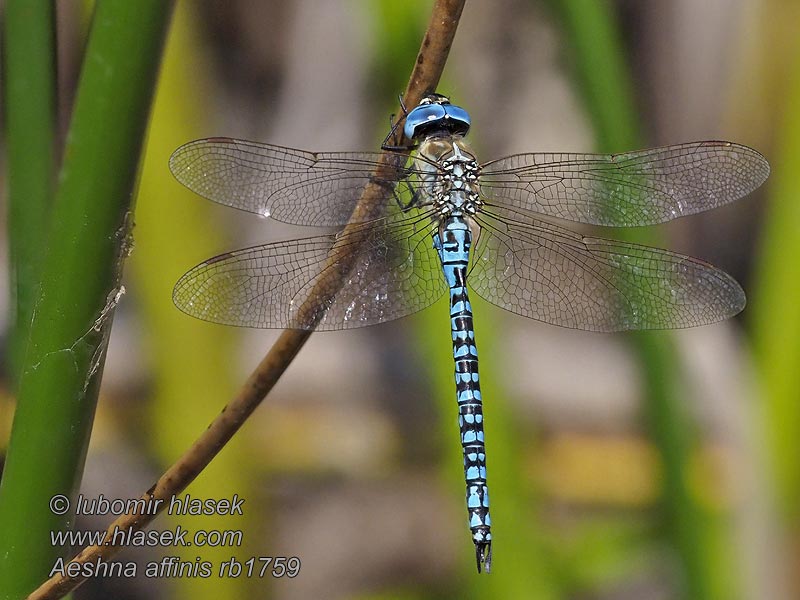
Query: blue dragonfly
column 442, row 223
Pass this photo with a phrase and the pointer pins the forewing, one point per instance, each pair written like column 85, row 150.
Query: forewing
column 293, row 186
column 630, row 189
column 542, row 271
column 389, row 269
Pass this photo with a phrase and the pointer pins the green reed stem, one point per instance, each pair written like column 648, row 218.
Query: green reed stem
column 86, row 244
column 29, row 90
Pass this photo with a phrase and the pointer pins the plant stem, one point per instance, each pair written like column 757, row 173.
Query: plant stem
column 87, row 243
column 30, row 98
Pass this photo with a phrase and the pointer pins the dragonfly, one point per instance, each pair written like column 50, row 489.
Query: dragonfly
column 439, row 222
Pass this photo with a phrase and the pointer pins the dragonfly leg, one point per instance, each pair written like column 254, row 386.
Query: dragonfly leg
column 413, row 201
column 395, row 124
column 391, row 187
column 415, row 196
column 398, row 148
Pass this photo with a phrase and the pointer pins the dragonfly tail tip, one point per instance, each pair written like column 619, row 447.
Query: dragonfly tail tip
column 483, row 556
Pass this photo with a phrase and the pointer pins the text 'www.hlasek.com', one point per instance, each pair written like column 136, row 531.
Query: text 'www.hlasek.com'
column 177, row 537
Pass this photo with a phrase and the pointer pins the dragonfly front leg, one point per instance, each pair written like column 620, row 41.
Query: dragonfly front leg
column 393, row 127
column 391, row 188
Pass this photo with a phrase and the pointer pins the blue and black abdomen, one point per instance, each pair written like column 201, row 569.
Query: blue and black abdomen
column 453, row 244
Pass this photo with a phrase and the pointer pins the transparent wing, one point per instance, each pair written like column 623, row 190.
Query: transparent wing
column 551, row 274
column 394, row 273
column 293, row 186
column 630, row 189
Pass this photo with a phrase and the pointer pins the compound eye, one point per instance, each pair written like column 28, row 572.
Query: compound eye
column 458, row 119
column 421, row 115
column 459, row 114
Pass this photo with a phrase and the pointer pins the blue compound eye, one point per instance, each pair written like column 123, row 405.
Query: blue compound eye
column 456, row 113
column 436, row 118
column 421, row 115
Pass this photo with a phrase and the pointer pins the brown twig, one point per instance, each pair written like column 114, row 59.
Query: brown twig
column 424, row 79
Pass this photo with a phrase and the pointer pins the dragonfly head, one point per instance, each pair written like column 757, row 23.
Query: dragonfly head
column 434, row 115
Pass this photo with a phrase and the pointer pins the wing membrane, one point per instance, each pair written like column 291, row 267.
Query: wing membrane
column 394, row 273
column 293, row 186
column 544, row 272
column 630, row 189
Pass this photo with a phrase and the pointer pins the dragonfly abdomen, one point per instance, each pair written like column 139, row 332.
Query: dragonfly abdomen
column 453, row 245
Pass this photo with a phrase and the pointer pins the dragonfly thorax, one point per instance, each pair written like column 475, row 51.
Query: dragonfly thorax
column 452, row 183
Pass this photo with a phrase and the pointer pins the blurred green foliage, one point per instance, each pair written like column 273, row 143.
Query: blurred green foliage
column 775, row 314
column 191, row 362
column 598, row 60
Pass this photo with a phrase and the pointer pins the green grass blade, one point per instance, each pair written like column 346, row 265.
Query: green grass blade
column 80, row 272
column 775, row 323
column 30, row 112
column 598, row 60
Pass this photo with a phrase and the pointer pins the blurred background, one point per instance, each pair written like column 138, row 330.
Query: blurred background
column 621, row 466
